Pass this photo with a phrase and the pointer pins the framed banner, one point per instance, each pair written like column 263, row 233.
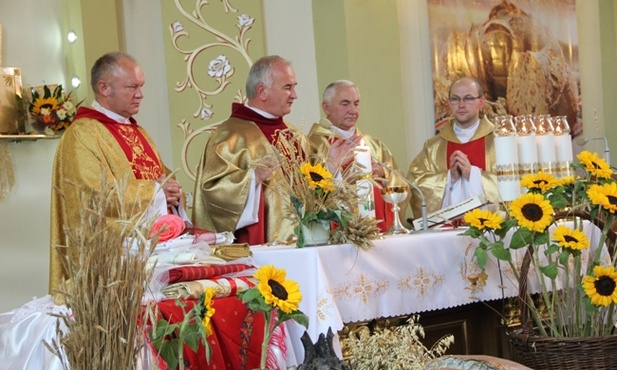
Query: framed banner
column 524, row 53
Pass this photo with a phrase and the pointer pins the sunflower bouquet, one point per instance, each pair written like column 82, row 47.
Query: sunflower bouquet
column 53, row 109
column 277, row 298
column 577, row 281
column 316, row 196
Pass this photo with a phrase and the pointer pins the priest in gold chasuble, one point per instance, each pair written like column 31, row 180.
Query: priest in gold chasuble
column 105, row 140
column 458, row 163
column 231, row 193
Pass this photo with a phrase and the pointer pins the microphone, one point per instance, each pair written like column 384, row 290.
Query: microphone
column 607, row 151
column 325, row 123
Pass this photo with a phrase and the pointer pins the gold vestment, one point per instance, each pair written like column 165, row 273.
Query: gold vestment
column 319, row 135
column 429, row 170
column 86, row 151
column 224, row 176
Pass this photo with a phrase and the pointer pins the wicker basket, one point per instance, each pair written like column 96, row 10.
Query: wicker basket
column 541, row 352
column 580, row 353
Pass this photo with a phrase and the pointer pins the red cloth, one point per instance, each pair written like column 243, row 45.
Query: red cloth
column 474, row 150
column 270, row 127
column 383, row 211
column 254, row 234
column 236, row 339
column 189, row 273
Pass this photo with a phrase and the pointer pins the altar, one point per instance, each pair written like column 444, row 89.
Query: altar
column 403, row 274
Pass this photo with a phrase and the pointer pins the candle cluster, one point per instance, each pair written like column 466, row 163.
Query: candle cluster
column 527, row 144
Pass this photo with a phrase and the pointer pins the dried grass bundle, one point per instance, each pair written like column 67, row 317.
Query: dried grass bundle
column 106, row 281
column 398, row 348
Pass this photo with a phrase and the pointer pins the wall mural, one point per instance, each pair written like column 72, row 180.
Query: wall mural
column 208, row 55
column 523, row 52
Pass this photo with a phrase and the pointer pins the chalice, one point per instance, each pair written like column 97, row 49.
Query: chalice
column 394, row 195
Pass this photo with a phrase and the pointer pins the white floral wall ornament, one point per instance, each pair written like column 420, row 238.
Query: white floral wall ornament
column 220, row 70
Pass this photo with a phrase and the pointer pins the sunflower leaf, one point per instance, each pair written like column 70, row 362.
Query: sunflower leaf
column 558, row 201
column 541, row 238
column 481, row 257
column 521, row 238
column 549, row 270
column 563, row 258
column 296, row 315
column 500, row 252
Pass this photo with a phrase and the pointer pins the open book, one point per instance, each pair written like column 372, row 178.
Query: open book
column 451, row 213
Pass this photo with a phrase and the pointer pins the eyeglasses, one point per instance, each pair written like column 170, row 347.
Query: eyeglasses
column 467, row 100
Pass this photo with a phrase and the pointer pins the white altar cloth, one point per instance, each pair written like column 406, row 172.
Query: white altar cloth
column 402, row 274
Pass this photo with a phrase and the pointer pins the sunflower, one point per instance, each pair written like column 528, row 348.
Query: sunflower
column 595, row 165
column 604, row 196
column 277, row 291
column 573, row 239
column 601, row 288
column 483, row 219
column 318, row 176
column 565, row 181
column 532, row 211
column 41, row 103
column 541, row 181
column 208, row 311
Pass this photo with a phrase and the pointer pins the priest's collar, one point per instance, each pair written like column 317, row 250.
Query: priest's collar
column 345, row 134
column 112, row 115
column 260, row 112
column 465, row 134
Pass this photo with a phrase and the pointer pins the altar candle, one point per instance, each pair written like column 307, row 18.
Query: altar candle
column 362, row 155
column 506, row 162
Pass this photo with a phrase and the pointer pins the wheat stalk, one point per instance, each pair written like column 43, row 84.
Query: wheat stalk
column 106, row 281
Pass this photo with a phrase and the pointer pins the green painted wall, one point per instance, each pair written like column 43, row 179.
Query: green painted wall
column 189, row 61
column 608, row 42
column 358, row 40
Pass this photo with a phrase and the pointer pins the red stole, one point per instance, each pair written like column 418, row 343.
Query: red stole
column 142, row 157
column 269, row 126
column 474, row 150
column 255, row 234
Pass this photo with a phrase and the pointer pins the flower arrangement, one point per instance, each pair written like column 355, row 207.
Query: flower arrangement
column 169, row 339
column 577, row 281
column 317, row 196
column 53, row 109
column 277, row 298
column 398, row 348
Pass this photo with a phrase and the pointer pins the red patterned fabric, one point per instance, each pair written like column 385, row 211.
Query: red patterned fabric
column 236, row 339
column 145, row 162
column 189, row 273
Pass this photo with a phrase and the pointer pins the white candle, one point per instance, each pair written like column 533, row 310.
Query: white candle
column 563, row 154
column 363, row 157
column 506, row 162
column 366, row 206
column 545, row 147
column 527, row 154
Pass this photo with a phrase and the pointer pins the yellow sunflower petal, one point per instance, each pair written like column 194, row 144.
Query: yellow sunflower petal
column 601, row 289
column 595, row 165
column 570, row 238
column 209, row 311
column 276, row 290
column 317, row 176
column 532, row 211
column 541, row 181
column 604, row 196
column 483, row 219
